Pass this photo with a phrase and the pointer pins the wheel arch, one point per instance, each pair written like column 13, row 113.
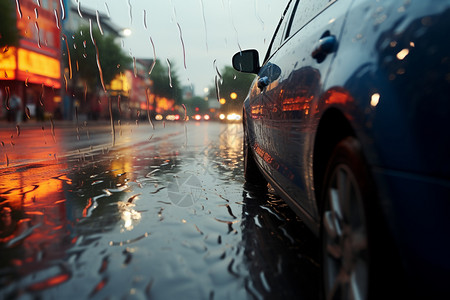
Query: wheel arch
column 333, row 127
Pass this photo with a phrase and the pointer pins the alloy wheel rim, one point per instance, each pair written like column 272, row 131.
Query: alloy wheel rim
column 345, row 254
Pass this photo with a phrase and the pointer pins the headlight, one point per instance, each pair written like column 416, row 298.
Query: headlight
column 233, row 117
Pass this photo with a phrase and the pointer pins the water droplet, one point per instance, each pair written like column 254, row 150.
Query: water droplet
column 79, row 9
column 98, row 22
column 63, row 9
column 65, row 81
column 56, row 18
column 234, row 27
column 132, row 198
column 36, row 14
column 8, row 94
column 113, row 130
column 18, row 8
column 204, row 24
column 41, row 96
column 118, row 105
column 90, row 31
column 145, row 19
column 170, row 75
column 217, row 70
column 182, row 44
column 36, row 25
column 147, row 94
column 99, row 66
column 27, row 112
column 216, row 81
column 130, row 10
column 257, row 15
column 53, row 130
column 154, row 57
column 107, row 10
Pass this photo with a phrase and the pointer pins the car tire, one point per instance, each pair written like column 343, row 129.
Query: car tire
column 252, row 174
column 345, row 231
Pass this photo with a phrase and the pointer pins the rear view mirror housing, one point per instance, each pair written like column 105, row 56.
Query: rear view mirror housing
column 246, row 61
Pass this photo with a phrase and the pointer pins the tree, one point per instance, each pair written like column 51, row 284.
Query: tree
column 84, row 55
column 9, row 34
column 163, row 85
column 233, row 84
column 196, row 105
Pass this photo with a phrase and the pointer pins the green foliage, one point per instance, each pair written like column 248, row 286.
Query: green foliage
column 195, row 103
column 232, row 82
column 161, row 81
column 110, row 55
column 9, row 34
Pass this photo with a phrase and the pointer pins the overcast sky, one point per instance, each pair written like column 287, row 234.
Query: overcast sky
column 211, row 30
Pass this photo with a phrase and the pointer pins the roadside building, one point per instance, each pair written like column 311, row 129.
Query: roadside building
column 32, row 69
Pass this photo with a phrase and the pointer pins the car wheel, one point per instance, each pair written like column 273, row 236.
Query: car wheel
column 345, row 231
column 252, row 174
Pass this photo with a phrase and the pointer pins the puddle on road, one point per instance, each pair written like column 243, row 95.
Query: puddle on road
column 159, row 219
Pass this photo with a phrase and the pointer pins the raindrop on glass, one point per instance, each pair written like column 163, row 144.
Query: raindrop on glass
column 154, row 57
column 182, row 44
column 98, row 22
column 38, row 34
column 107, row 10
column 56, row 18
column 79, row 10
column 19, row 11
column 170, row 75
column 63, row 9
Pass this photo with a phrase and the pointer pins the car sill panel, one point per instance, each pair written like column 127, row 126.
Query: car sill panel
column 306, row 217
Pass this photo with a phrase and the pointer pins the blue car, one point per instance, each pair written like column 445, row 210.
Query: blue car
column 348, row 119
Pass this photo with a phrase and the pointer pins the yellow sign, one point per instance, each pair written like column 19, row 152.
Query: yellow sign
column 8, row 64
column 120, row 83
column 39, row 64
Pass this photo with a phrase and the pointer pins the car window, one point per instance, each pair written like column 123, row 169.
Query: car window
column 304, row 12
column 280, row 32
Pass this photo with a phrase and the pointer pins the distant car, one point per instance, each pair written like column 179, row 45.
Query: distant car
column 230, row 117
column 349, row 120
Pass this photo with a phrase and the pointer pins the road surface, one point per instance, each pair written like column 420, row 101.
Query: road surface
column 145, row 212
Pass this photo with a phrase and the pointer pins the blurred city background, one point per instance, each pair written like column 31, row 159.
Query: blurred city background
column 60, row 60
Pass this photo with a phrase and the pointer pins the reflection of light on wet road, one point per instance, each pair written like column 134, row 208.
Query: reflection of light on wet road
column 108, row 225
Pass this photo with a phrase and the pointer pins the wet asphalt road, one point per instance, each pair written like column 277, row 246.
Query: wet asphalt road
column 162, row 214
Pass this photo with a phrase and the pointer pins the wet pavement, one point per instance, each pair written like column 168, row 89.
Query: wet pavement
column 149, row 213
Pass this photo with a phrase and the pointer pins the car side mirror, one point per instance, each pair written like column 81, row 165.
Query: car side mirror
column 246, row 61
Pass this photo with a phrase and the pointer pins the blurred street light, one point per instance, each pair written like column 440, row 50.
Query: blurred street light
column 126, row 32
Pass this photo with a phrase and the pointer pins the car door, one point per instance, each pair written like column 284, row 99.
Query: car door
column 258, row 108
column 297, row 72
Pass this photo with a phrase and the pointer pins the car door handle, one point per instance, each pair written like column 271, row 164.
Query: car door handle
column 325, row 46
column 263, row 82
